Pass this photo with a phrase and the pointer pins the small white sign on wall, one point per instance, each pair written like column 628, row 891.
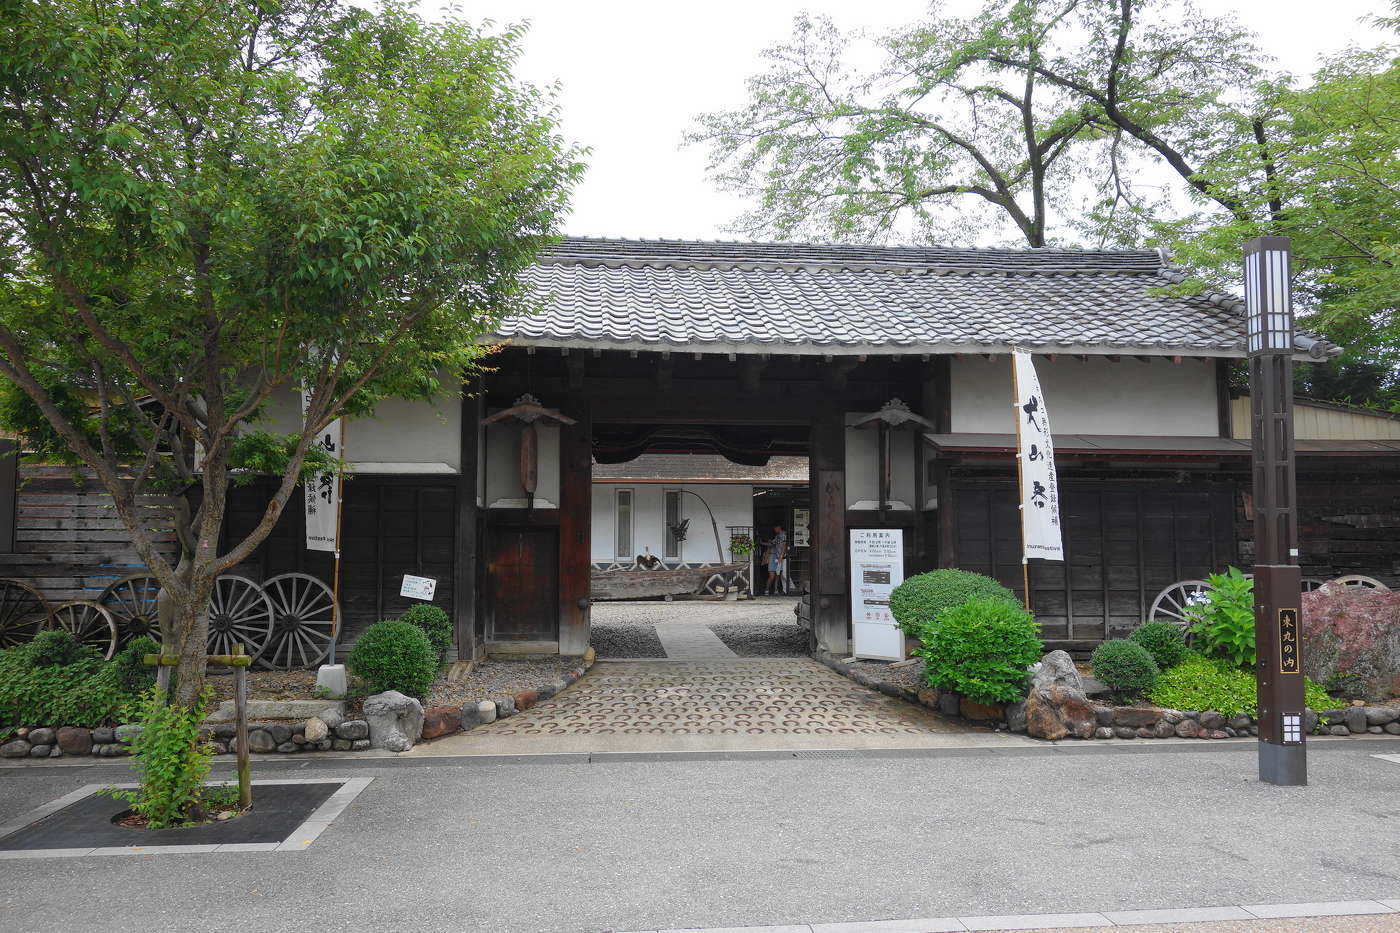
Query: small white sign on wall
column 801, row 527
column 418, row 587
column 877, row 567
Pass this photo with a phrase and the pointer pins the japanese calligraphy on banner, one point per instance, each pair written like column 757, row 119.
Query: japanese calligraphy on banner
column 1040, row 491
column 322, row 491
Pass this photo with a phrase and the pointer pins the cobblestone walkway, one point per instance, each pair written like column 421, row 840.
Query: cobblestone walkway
column 714, row 704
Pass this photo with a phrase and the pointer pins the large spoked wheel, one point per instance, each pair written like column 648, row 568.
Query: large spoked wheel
column 132, row 603
column 1170, row 604
column 1357, row 579
column 89, row 624
column 23, row 613
column 303, row 622
column 239, row 614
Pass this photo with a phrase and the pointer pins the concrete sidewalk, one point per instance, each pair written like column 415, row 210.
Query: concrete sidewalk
column 664, row 843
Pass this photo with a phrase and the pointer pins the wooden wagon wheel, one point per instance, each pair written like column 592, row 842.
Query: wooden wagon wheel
column 303, row 622
column 1170, row 604
column 1357, row 579
column 132, row 603
column 239, row 614
column 89, row 624
column 23, row 613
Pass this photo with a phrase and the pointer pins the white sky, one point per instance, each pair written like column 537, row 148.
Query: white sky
column 633, row 75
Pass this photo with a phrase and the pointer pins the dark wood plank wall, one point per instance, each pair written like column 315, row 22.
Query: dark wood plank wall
column 390, row 526
column 9, row 492
column 1123, row 545
column 68, row 541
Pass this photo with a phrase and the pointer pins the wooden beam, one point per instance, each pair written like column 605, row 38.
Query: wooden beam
column 665, row 368
column 575, row 519
column 465, row 621
column 9, row 488
column 752, row 372
column 1223, row 408
column 574, row 366
column 827, row 476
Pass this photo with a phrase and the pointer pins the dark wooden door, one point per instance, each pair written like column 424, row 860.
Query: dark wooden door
column 522, row 584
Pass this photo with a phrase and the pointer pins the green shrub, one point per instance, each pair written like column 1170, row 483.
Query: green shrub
column 1163, row 640
column 133, row 674
column 172, row 760
column 1125, row 666
column 86, row 692
column 1223, row 619
column 55, row 647
column 981, row 649
column 394, row 655
column 917, row 601
column 1200, row 683
column 435, row 624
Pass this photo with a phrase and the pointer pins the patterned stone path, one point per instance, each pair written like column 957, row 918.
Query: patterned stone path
column 691, row 641
column 714, row 705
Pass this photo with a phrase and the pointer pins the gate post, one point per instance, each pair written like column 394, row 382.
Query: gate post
column 827, row 477
column 575, row 521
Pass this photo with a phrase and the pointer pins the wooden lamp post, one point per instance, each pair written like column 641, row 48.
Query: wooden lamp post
column 1277, row 578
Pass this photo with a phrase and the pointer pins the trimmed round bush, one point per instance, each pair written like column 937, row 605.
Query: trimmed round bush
column 1164, row 641
column 1126, row 667
column 917, row 601
column 395, row 655
column 132, row 673
column 55, row 648
column 981, row 649
column 435, row 624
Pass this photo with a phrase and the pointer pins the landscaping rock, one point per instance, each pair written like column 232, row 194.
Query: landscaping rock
column 1230, row 733
column 353, row 729
column 224, row 730
column 260, row 740
column 341, row 745
column 280, row 732
column 74, row 741
column 1355, row 719
column 1309, row 722
column 441, row 720
column 1392, row 728
column 1212, row 720
column 359, row 745
column 55, row 752
column 1339, row 730
column 1145, row 733
column 505, row 706
column 107, row 750
column 220, row 748
column 1375, row 730
column 315, row 729
column 18, row 748
column 477, row 714
column 40, row 736
column 1381, row 715
column 1125, row 732
column 1187, row 729
column 548, row 690
column 103, row 735
column 276, row 709
column 1240, row 722
column 1104, row 715
column 125, row 734
column 1137, row 717
column 949, row 703
column 1016, row 716
column 1057, row 669
column 980, row 712
column 288, row 747
column 1219, row 734
column 1164, row 730
column 927, row 696
column 1103, row 732
column 1333, row 716
column 1172, row 716
column 1053, row 712
column 333, row 679
column 395, row 721
column 40, row 751
column 331, row 717
column 298, row 739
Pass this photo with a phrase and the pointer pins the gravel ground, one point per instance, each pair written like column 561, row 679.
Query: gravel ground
column 774, row 610
column 764, row 641
column 614, row 640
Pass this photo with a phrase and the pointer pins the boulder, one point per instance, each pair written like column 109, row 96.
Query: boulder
column 74, row 741
column 286, row 747
column 1172, row 716
column 40, row 751
column 1103, row 732
column 18, row 748
column 40, row 736
column 359, row 745
column 949, row 703
column 1104, row 714
column 927, row 696
column 505, row 706
column 1212, row 720
column 1381, row 715
column 1392, row 728
column 441, row 720
column 1054, row 712
column 1338, row 730
column 981, row 712
column 478, row 714
column 126, row 734
column 280, row 732
column 276, row 709
column 331, row 717
column 341, row 745
column 103, row 735
column 260, row 740
column 1163, row 730
column 1241, row 722
column 395, row 721
column 1309, row 722
column 1057, row 669
column 1187, row 729
column 1138, row 717
column 315, row 729
column 352, row 729
column 1355, row 719
column 1125, row 732
column 1016, row 716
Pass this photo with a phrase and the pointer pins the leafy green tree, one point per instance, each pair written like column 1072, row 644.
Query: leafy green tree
column 205, row 203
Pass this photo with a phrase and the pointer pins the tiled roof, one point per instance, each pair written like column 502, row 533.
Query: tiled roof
column 700, row 468
column 797, row 298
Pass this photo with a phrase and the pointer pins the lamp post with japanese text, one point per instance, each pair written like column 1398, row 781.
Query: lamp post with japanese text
column 1277, row 578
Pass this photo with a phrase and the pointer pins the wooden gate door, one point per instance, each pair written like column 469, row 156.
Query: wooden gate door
column 522, row 584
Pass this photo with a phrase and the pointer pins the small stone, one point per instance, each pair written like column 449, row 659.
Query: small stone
column 41, row 736
column 1103, row 715
column 1164, row 730
column 1375, row 730
column 18, row 748
column 103, row 735
column 1218, row 734
column 1187, row 729
column 505, row 706
column 441, row 720
column 927, row 696
column 1240, row 722
column 1339, row 730
column 1392, row 728
column 1125, row 732
column 1358, row 702
column 322, row 745
column 341, row 745
column 288, row 747
column 1212, row 720
column 1146, row 733
column 1103, row 732
column 280, row 732
column 526, row 699
column 125, row 734
column 1355, row 718
column 40, row 751
column 1016, row 717
column 298, row 739
column 353, row 729
column 980, row 712
column 949, row 703
column 260, row 740
column 1172, row 716
column 57, row 752
column 315, row 729
column 224, row 730
column 1230, row 732
column 224, row 816
column 22, row 732
column 332, row 717
column 220, row 748
column 359, row 745
column 1381, row 715
column 547, row 691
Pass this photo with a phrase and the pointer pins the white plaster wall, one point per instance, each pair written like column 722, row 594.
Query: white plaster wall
column 731, row 503
column 502, row 462
column 401, row 432
column 863, row 468
column 1159, row 398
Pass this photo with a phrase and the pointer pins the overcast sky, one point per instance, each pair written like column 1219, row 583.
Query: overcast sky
column 633, row 75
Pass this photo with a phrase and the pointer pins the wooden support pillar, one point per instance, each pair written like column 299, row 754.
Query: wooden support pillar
column 464, row 602
column 9, row 489
column 575, row 519
column 827, row 476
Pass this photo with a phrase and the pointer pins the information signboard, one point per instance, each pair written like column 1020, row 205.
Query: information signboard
column 877, row 567
column 801, row 527
column 418, row 587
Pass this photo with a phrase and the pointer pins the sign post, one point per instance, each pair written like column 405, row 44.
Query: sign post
column 877, row 567
column 1277, row 578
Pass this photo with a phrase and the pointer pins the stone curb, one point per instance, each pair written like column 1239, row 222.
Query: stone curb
column 1126, row 722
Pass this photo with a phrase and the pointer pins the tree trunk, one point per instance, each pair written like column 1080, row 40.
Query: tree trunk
column 184, row 624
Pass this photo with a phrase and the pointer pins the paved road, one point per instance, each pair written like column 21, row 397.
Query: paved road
column 580, row 843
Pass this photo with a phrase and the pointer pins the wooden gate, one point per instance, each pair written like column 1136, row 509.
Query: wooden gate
column 522, row 584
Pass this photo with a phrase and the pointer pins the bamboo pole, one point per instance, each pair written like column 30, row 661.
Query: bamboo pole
column 1020, row 482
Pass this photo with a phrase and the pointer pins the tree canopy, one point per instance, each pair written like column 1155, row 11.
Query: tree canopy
column 205, row 203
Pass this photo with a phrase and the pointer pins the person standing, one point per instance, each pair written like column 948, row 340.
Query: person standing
column 777, row 552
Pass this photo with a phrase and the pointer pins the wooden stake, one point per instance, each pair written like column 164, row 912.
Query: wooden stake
column 240, row 712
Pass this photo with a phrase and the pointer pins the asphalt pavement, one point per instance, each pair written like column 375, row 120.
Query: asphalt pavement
column 656, row 842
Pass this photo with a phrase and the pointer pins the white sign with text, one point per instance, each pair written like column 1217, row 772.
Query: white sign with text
column 877, row 567
column 418, row 587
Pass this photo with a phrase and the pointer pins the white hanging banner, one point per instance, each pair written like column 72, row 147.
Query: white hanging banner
column 1040, row 489
column 322, row 491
